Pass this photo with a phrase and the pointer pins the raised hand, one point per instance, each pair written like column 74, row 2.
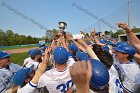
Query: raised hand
column 124, row 26
column 81, row 73
column 47, row 54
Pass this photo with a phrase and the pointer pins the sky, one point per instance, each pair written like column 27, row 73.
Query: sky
column 34, row 17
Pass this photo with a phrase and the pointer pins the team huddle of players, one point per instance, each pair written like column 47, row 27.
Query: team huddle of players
column 91, row 64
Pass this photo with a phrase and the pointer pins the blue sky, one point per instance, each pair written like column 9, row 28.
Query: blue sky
column 16, row 15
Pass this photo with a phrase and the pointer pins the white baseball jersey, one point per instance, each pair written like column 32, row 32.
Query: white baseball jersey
column 28, row 88
column 28, row 62
column 132, row 75
column 114, row 81
column 6, row 76
column 57, row 81
column 129, row 73
column 115, row 85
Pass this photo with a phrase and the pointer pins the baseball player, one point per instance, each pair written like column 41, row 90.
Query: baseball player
column 122, row 77
column 57, row 79
column 7, row 70
column 125, row 72
column 34, row 59
column 132, row 39
column 27, row 79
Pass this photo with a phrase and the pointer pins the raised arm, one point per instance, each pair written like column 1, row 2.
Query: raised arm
column 131, row 37
column 82, row 76
column 88, row 49
column 42, row 67
column 93, row 34
column 54, row 44
column 76, row 43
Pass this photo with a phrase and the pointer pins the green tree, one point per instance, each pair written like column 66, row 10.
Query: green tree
column 135, row 29
column 2, row 38
column 108, row 32
column 50, row 34
column 9, row 38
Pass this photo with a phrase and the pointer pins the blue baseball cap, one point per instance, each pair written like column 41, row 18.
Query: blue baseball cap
column 73, row 47
column 100, row 74
column 44, row 48
column 126, row 49
column 4, row 54
column 41, row 45
column 60, row 55
column 82, row 55
column 121, row 43
column 34, row 52
column 102, row 40
column 21, row 75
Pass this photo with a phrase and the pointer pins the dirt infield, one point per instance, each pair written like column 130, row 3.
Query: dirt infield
column 21, row 50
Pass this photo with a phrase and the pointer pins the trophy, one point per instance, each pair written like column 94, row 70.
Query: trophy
column 62, row 33
column 62, row 25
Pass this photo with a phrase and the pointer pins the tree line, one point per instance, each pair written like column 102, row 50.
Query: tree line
column 8, row 38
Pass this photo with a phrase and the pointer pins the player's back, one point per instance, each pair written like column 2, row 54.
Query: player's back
column 56, row 81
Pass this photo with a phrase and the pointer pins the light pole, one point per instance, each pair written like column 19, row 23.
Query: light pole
column 129, row 13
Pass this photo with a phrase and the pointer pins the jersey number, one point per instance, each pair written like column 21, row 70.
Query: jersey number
column 119, row 86
column 64, row 87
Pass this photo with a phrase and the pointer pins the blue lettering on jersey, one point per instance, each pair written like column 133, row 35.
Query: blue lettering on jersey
column 119, row 86
column 6, row 82
column 9, row 78
column 64, row 87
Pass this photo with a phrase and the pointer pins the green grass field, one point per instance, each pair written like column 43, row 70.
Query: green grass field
column 19, row 58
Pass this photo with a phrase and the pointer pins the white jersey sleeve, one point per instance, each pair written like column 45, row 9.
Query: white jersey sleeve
column 15, row 67
column 28, row 88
